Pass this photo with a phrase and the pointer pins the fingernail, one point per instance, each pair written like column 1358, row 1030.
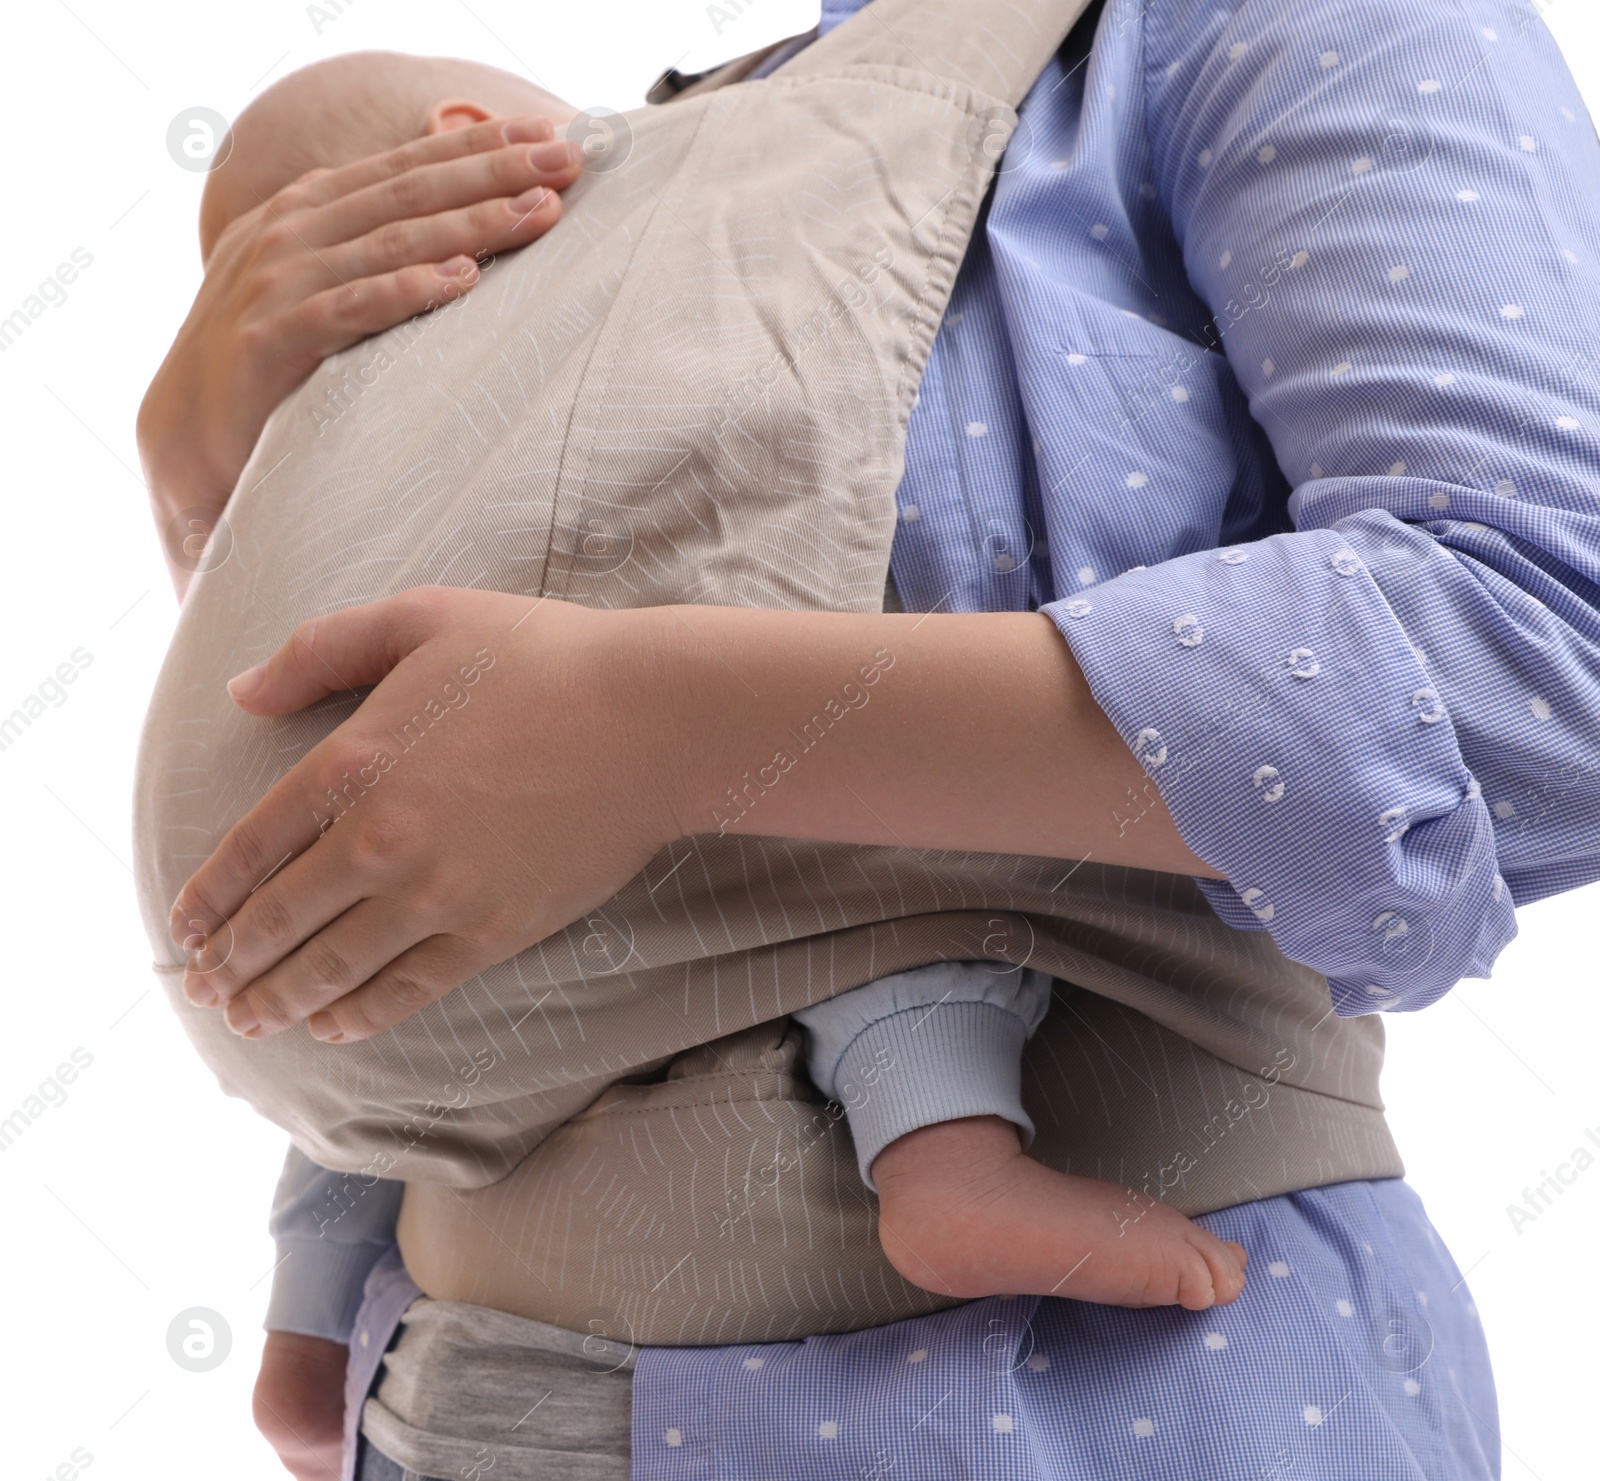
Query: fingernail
column 243, row 686
column 526, row 130
column 556, row 155
column 530, row 200
column 201, row 994
column 241, row 1017
column 459, row 267
column 325, row 1027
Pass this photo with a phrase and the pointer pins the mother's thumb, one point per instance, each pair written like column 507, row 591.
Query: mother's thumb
column 339, row 651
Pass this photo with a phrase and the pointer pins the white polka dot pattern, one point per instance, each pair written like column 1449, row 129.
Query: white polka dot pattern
column 1328, row 1348
column 1389, row 300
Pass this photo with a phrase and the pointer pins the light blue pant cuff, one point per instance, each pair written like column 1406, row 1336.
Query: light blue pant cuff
column 931, row 1064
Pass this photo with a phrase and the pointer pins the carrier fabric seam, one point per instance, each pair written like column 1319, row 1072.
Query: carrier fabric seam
column 583, row 397
column 603, row 1112
column 965, row 99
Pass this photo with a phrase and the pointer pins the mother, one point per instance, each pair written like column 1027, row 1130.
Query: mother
column 1227, row 134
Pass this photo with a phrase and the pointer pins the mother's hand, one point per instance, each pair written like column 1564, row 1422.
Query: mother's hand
column 328, row 260
column 522, row 759
column 485, row 794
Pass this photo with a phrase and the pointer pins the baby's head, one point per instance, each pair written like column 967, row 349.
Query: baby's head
column 350, row 106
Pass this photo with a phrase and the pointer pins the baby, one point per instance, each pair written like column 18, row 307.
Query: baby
column 927, row 1062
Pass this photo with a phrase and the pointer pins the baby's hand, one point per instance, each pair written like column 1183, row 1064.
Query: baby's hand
column 299, row 1403
column 330, row 259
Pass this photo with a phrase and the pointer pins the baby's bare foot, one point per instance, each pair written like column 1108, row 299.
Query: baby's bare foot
column 963, row 1212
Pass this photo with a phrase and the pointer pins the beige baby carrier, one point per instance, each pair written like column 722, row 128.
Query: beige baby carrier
column 695, row 389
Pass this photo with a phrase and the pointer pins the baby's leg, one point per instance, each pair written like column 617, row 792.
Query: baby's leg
column 928, row 1065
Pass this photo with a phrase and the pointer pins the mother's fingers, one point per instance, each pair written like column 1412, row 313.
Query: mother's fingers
column 415, row 978
column 318, row 189
column 336, row 961
column 339, row 317
column 324, row 655
column 338, row 651
column 295, row 903
column 395, row 272
column 394, row 205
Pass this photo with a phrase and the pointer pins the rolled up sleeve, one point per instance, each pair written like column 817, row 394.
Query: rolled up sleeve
column 1381, row 726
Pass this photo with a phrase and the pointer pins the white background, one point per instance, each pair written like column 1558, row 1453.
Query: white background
column 145, row 1192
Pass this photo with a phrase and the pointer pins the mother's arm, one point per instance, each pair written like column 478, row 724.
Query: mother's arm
column 1422, row 312
column 1380, row 726
column 562, row 748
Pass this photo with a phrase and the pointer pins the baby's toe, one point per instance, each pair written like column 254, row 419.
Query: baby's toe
column 1197, row 1281
column 1225, row 1262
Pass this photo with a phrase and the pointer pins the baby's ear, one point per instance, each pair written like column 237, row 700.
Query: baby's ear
column 456, row 113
